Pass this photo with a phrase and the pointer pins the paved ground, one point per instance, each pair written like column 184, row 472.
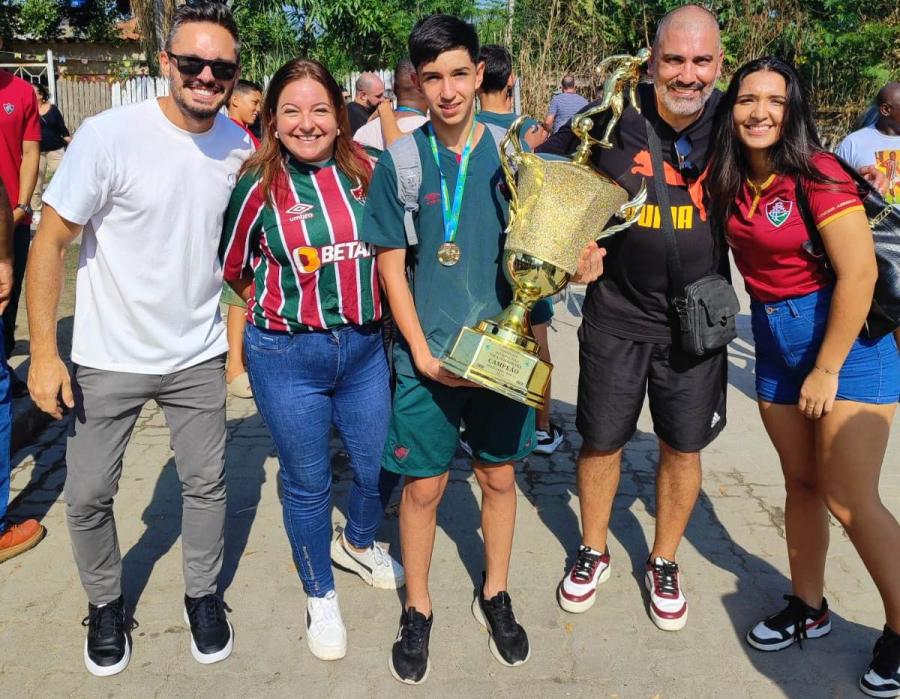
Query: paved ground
column 733, row 562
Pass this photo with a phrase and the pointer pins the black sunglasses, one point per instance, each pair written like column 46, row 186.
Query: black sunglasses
column 683, row 148
column 193, row 66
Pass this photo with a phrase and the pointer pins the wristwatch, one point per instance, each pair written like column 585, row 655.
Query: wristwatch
column 26, row 208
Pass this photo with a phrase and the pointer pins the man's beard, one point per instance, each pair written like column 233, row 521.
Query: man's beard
column 196, row 112
column 684, row 106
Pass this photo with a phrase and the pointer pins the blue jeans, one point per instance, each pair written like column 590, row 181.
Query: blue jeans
column 303, row 384
column 5, row 434
column 788, row 335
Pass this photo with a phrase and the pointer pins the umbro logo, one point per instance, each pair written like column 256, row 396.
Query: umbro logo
column 300, row 212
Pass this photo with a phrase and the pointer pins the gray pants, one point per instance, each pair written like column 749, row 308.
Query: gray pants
column 107, row 405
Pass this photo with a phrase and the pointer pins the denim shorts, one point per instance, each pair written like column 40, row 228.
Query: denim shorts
column 788, row 335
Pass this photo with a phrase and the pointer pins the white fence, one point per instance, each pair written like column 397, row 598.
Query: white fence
column 138, row 89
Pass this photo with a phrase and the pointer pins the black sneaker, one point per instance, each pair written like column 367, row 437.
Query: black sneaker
column 793, row 624
column 409, row 656
column 507, row 639
column 882, row 678
column 107, row 648
column 212, row 638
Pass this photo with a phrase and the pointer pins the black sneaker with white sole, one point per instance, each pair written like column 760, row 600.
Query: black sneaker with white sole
column 107, row 648
column 408, row 661
column 212, row 638
column 793, row 624
column 882, row 678
column 507, row 639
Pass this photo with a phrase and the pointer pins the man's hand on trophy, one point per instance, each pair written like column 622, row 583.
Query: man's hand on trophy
column 590, row 264
column 432, row 368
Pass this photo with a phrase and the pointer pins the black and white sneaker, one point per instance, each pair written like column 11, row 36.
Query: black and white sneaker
column 882, row 678
column 793, row 624
column 212, row 638
column 548, row 440
column 408, row 661
column 107, row 648
column 507, row 639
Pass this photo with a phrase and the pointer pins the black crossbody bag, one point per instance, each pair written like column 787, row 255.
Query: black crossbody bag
column 884, row 220
column 705, row 308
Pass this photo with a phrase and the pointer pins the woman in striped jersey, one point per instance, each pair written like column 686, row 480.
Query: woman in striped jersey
column 291, row 248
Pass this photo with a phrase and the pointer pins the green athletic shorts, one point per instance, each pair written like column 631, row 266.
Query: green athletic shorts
column 230, row 298
column 425, row 425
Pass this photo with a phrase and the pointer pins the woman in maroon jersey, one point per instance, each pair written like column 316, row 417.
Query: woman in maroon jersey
column 827, row 396
column 291, row 248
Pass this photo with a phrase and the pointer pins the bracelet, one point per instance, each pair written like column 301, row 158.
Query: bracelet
column 827, row 371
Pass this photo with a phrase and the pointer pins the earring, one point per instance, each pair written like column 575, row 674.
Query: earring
column 338, row 132
column 276, row 135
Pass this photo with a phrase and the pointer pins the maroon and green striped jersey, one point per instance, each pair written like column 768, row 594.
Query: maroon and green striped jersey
column 310, row 268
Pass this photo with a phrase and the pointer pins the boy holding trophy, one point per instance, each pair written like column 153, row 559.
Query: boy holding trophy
column 442, row 276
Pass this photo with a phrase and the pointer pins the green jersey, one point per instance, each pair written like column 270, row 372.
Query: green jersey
column 447, row 298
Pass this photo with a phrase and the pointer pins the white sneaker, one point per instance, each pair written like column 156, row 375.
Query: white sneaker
column 548, row 440
column 668, row 607
column 326, row 635
column 578, row 590
column 374, row 565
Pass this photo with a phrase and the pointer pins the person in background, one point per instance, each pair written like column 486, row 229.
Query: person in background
column 20, row 156
column 54, row 138
column 15, row 538
column 564, row 105
column 827, row 396
column 369, row 94
column 495, row 97
column 243, row 110
column 243, row 107
column 314, row 346
column 409, row 114
column 878, row 146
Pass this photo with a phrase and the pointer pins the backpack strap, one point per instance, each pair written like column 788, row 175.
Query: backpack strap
column 497, row 134
column 408, row 166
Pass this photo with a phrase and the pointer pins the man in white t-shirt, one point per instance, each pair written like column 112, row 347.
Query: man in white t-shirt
column 408, row 116
column 148, row 185
column 878, row 146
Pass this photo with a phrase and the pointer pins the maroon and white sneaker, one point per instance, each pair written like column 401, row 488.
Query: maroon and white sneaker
column 668, row 607
column 793, row 624
column 578, row 590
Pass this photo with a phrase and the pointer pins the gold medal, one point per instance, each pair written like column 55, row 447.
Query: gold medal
column 448, row 254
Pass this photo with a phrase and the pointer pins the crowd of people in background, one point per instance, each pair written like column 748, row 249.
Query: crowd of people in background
column 341, row 227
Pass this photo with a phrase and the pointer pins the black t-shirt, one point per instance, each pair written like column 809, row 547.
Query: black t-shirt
column 53, row 129
column 630, row 300
column 359, row 115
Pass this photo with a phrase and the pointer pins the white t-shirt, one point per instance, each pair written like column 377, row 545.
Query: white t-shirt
column 370, row 134
column 151, row 197
column 869, row 146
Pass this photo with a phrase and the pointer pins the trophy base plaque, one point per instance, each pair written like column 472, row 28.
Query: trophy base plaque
column 502, row 360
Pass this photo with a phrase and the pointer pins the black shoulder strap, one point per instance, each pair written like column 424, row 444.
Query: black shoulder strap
column 673, row 257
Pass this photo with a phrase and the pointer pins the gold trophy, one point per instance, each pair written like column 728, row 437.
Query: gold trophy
column 557, row 207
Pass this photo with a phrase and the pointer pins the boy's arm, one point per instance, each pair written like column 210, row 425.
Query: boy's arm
column 392, row 271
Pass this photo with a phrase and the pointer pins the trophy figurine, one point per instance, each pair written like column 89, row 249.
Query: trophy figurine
column 557, row 206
